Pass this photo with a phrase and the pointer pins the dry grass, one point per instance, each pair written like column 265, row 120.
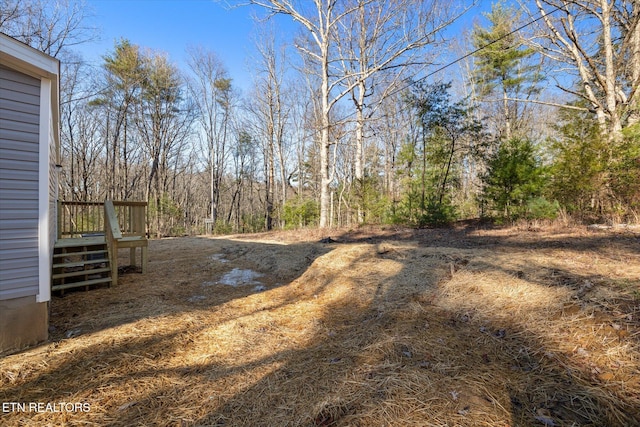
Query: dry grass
column 380, row 328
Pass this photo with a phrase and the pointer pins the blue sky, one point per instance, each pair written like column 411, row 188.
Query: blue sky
column 173, row 25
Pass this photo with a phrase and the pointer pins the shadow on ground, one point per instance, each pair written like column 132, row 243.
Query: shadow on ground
column 379, row 328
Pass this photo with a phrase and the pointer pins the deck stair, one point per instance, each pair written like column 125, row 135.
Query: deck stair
column 80, row 262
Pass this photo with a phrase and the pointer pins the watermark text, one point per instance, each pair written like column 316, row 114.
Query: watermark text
column 41, row 407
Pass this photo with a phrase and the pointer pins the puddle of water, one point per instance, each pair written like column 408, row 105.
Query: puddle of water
column 238, row 277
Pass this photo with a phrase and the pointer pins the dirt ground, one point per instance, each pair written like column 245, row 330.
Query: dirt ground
column 370, row 327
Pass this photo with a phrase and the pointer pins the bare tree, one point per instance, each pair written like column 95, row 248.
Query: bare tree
column 320, row 18
column 393, row 128
column 600, row 41
column 47, row 25
column 211, row 91
column 271, row 110
column 394, row 33
column 81, row 144
column 385, row 37
column 163, row 124
column 326, row 23
column 302, row 135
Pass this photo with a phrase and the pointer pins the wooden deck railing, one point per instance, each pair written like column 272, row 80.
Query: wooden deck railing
column 125, row 228
column 132, row 217
column 78, row 218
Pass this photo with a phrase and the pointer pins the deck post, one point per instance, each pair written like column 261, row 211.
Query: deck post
column 112, row 235
column 131, row 236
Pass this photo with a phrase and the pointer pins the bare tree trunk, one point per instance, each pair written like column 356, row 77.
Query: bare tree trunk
column 507, row 115
column 325, row 180
column 634, row 64
column 610, row 71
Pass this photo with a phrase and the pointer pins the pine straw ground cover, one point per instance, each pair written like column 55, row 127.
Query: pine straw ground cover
column 378, row 327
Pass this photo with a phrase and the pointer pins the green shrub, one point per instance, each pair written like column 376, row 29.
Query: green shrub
column 438, row 214
column 298, row 213
column 513, row 177
column 541, row 208
column 222, row 227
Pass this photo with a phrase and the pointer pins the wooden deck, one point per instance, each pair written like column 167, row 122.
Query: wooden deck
column 90, row 235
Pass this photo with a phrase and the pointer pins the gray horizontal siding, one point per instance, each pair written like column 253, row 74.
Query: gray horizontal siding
column 19, row 176
column 20, row 265
column 20, row 238
column 11, row 213
column 19, row 287
column 19, row 155
column 19, row 136
column 14, row 274
column 16, row 253
column 19, row 165
column 18, row 195
column 16, row 126
column 10, row 144
column 16, row 185
column 8, row 162
column 22, row 204
column 23, row 245
column 17, row 107
column 11, row 75
column 15, row 94
column 14, row 118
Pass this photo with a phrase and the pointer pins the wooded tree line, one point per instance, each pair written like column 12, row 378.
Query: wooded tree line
column 354, row 125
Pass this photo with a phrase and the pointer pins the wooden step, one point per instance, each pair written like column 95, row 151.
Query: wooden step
column 83, row 253
column 91, row 282
column 89, row 272
column 82, row 263
column 80, row 242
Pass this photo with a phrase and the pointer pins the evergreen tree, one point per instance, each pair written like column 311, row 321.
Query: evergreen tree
column 592, row 177
column 501, row 66
column 123, row 81
column 514, row 177
column 447, row 132
column 579, row 164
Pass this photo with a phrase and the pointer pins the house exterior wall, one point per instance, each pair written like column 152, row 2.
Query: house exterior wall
column 28, row 191
column 19, row 184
